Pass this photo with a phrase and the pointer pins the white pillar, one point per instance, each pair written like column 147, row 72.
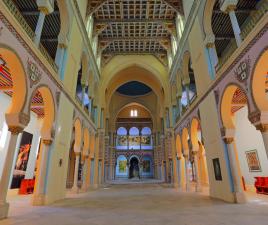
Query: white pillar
column 83, row 93
column 264, row 132
column 4, row 182
column 229, row 7
column 198, row 187
column 60, row 56
column 187, row 94
column 179, row 106
column 237, row 180
column 75, row 185
column 187, row 176
column 39, row 27
column 39, row 187
column 85, row 174
column 235, row 26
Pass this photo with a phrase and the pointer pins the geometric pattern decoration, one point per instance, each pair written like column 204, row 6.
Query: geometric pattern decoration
column 239, row 100
column 6, row 85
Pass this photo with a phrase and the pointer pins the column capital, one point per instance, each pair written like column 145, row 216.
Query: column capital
column 209, row 40
column 186, row 81
column 15, row 129
column 45, row 6
column 228, row 5
column 262, row 127
column 47, row 141
column 228, row 140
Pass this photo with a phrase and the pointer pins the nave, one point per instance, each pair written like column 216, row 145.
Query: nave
column 142, row 204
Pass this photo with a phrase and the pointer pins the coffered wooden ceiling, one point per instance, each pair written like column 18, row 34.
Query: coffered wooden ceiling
column 134, row 26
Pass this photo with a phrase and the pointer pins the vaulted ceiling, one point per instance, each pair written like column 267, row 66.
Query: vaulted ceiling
column 134, row 26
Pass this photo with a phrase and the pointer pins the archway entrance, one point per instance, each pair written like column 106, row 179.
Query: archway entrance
column 134, row 169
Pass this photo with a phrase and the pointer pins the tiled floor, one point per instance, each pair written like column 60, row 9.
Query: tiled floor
column 138, row 204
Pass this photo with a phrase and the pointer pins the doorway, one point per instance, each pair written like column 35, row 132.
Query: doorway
column 134, row 169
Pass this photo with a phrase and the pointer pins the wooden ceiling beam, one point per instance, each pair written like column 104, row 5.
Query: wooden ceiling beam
column 131, row 20
column 133, row 53
column 134, row 39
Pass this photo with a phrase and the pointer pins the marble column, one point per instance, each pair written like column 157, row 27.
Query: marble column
column 187, row 88
column 187, row 175
column 75, row 188
column 237, row 179
column 212, row 54
column 198, row 187
column 39, row 27
column 229, row 7
column 263, row 128
column 7, row 169
column 59, row 59
column 179, row 106
column 84, row 174
column 83, row 93
column 179, row 172
column 39, row 187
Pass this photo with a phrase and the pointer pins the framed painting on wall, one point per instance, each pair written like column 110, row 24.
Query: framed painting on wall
column 253, row 161
column 217, row 169
column 22, row 159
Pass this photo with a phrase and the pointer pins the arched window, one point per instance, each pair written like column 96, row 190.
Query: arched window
column 134, row 131
column 146, row 131
column 134, row 138
column 121, row 141
column 121, row 131
column 146, row 138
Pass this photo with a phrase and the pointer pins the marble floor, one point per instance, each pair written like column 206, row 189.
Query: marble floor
column 138, row 204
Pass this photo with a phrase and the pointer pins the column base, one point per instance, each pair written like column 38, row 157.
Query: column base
column 75, row 190
column 95, row 186
column 240, row 197
column 198, row 188
column 176, row 185
column 188, row 187
column 4, row 207
column 84, row 188
column 38, row 200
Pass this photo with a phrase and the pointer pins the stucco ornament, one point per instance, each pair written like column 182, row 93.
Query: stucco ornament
column 34, row 72
column 242, row 71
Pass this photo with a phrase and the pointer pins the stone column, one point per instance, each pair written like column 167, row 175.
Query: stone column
column 59, row 59
column 7, row 169
column 87, row 183
column 229, row 6
column 83, row 93
column 39, row 187
column 187, row 175
column 212, row 54
column 39, row 27
column 84, row 175
column 179, row 172
column 198, row 187
column 263, row 128
column 237, row 180
column 179, row 105
column 75, row 188
column 187, row 88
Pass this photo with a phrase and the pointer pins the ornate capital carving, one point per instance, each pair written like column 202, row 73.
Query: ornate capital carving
column 24, row 119
column 47, row 141
column 262, row 127
column 15, row 129
column 228, row 140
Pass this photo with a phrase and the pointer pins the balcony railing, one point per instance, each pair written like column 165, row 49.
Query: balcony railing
column 18, row 16
column 246, row 28
column 185, row 108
